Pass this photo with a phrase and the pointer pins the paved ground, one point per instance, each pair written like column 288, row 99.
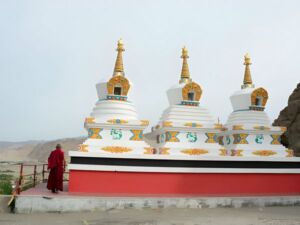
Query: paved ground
column 219, row 216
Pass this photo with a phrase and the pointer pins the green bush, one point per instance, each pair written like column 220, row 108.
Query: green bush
column 5, row 184
column 5, row 187
column 6, row 177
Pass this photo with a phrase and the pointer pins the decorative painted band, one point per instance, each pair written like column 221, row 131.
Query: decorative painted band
column 183, row 163
column 190, row 103
column 116, row 97
column 256, row 108
column 180, row 170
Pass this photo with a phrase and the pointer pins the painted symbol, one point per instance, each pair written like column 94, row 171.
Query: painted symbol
column 192, row 137
column 228, row 141
column 162, row 138
column 116, row 134
column 259, row 139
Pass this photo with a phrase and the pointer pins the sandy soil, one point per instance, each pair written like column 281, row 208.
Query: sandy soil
column 227, row 216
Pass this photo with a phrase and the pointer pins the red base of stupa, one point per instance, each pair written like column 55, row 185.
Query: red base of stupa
column 152, row 183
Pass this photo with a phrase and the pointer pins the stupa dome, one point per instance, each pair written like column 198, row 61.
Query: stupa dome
column 249, row 102
column 113, row 94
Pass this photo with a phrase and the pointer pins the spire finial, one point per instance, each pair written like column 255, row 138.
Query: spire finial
column 119, row 70
column 247, row 74
column 185, row 72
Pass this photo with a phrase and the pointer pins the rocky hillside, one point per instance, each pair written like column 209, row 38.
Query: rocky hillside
column 290, row 117
column 35, row 150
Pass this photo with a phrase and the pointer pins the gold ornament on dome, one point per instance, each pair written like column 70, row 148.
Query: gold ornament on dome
column 116, row 149
column 83, row 148
column 194, row 151
column 118, row 81
column 89, row 120
column 144, row 122
column 237, row 127
column 191, row 87
column 259, row 93
column 264, row 153
column 119, row 69
column 167, row 124
column 185, row 72
column 247, row 75
column 218, row 126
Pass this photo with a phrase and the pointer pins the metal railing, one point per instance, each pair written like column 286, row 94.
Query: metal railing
column 31, row 179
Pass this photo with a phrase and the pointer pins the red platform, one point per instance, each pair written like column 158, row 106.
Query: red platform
column 150, row 183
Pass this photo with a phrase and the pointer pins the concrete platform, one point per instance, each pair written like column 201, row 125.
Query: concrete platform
column 41, row 200
column 219, row 216
column 3, row 203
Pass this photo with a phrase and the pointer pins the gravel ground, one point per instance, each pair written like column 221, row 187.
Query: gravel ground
column 219, row 216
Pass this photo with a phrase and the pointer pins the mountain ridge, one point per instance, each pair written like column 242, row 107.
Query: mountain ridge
column 36, row 151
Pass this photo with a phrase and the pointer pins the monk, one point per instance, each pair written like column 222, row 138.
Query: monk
column 56, row 164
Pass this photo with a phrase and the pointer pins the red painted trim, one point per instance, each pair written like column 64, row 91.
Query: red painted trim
column 132, row 183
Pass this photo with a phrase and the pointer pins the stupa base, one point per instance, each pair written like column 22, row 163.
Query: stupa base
column 220, row 184
column 91, row 172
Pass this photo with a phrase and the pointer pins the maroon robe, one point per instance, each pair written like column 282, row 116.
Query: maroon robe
column 56, row 163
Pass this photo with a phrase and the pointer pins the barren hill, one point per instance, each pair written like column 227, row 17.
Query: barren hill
column 35, row 150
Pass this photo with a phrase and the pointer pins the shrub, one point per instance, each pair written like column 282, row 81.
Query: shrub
column 5, row 187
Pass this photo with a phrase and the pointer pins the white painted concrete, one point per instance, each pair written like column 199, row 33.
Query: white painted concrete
column 34, row 204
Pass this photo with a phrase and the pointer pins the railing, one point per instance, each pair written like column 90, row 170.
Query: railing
column 31, row 179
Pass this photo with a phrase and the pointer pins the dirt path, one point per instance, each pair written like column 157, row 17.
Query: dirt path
column 229, row 216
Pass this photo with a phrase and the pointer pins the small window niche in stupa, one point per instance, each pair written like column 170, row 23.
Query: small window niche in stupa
column 258, row 101
column 191, row 96
column 117, row 90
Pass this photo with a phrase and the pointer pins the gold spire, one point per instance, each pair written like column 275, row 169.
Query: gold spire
column 185, row 72
column 247, row 75
column 119, row 70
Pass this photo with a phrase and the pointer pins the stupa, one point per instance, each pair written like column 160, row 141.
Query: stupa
column 248, row 131
column 113, row 126
column 185, row 127
column 184, row 156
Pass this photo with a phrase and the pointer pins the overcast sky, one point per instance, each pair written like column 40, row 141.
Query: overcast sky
column 52, row 53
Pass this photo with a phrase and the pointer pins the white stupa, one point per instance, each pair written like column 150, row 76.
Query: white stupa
column 248, row 131
column 185, row 127
column 113, row 126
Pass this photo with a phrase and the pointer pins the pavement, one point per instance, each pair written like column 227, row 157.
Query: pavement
column 171, row 216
